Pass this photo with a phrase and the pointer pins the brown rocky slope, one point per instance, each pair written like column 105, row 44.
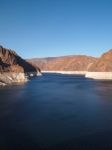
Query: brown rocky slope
column 102, row 68
column 13, row 68
column 96, row 68
column 65, row 63
column 103, row 64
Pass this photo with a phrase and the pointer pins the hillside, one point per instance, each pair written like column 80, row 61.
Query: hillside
column 13, row 68
column 103, row 64
column 65, row 63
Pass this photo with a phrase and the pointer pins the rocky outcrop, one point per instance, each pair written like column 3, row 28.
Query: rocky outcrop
column 14, row 69
column 103, row 64
column 10, row 78
column 102, row 68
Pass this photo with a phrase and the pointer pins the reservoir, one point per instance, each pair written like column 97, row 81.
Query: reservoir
column 56, row 112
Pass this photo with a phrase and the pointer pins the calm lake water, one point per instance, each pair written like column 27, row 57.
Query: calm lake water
column 56, row 112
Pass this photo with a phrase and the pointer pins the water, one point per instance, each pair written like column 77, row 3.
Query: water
column 56, row 112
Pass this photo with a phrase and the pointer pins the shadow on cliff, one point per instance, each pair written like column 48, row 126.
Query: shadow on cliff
column 9, row 58
column 4, row 66
column 25, row 65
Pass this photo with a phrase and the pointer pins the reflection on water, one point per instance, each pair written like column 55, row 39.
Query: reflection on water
column 61, row 112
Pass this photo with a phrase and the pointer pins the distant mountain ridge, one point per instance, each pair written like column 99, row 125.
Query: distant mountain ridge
column 95, row 68
column 65, row 63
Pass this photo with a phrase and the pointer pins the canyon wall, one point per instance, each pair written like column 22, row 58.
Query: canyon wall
column 102, row 68
column 64, row 63
column 95, row 68
column 14, row 69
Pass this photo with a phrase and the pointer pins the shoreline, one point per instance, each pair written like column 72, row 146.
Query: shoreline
column 8, row 78
column 99, row 75
column 91, row 75
column 66, row 72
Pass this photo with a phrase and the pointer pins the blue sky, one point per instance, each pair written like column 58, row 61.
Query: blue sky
column 40, row 28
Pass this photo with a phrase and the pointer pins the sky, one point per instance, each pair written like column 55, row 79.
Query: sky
column 45, row 28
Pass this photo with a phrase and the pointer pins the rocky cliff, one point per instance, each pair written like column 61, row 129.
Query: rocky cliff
column 13, row 68
column 102, row 68
column 103, row 64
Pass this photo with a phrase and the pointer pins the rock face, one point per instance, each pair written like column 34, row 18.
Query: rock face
column 102, row 68
column 14, row 69
column 103, row 64
column 65, row 63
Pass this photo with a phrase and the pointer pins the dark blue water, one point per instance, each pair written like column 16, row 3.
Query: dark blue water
column 56, row 112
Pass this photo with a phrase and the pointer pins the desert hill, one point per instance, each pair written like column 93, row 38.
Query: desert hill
column 13, row 68
column 65, row 63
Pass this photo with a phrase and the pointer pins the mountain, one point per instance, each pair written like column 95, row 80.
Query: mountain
column 103, row 64
column 13, row 68
column 65, row 63
column 102, row 68
column 95, row 68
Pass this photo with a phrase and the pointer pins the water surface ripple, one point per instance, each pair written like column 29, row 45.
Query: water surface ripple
column 56, row 112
